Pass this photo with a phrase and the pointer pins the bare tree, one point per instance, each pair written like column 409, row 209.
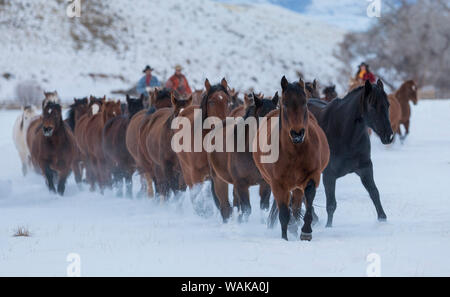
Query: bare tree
column 411, row 40
column 28, row 93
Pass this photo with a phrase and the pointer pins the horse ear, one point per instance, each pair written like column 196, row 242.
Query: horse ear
column 275, row 99
column 189, row 100
column 367, row 88
column 173, row 99
column 224, row 83
column 258, row 101
column 284, row 83
column 380, row 84
column 207, row 85
column 301, row 83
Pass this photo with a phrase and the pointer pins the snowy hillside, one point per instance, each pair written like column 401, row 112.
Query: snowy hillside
column 124, row 237
column 106, row 49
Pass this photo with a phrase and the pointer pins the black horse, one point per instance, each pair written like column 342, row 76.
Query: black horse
column 345, row 122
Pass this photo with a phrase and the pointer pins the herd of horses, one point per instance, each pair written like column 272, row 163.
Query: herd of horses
column 105, row 142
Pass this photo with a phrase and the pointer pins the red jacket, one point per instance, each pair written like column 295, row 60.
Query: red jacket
column 180, row 84
column 370, row 77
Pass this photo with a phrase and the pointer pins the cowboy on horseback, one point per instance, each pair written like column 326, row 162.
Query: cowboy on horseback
column 364, row 74
column 147, row 82
column 179, row 83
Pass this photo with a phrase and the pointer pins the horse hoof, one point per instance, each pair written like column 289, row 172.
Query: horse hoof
column 306, row 236
column 382, row 220
column 329, row 225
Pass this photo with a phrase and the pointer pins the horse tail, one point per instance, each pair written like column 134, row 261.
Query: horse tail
column 272, row 215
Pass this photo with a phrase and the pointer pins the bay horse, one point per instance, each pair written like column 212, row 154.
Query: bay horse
column 194, row 163
column 346, row 122
column 238, row 168
column 407, row 92
column 80, row 128
column 395, row 113
column 76, row 110
column 158, row 99
column 115, row 148
column 20, row 129
column 312, row 89
column 93, row 136
column 329, row 93
column 303, row 155
column 53, row 148
column 156, row 136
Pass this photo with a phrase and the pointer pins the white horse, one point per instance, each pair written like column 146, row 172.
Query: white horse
column 20, row 135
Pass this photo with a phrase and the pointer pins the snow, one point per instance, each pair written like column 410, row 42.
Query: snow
column 121, row 237
column 252, row 46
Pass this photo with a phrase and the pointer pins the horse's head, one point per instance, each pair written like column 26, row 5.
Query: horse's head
column 160, row 98
column 95, row 104
column 111, row 109
column 235, row 101
column 51, row 118
column 312, row 90
column 179, row 104
column 258, row 106
column 410, row 89
column 80, row 106
column 294, row 110
column 375, row 108
column 134, row 105
column 330, row 92
column 216, row 102
column 50, row 97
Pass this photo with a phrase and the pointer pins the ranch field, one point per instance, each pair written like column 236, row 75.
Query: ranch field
column 122, row 237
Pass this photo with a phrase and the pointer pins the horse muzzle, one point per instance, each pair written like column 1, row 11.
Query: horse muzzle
column 387, row 138
column 47, row 131
column 297, row 137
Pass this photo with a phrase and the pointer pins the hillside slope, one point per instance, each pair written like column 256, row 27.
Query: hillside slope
column 106, row 49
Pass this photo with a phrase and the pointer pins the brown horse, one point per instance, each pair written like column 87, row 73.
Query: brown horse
column 407, row 92
column 312, row 89
column 156, row 135
column 330, row 93
column 54, row 148
column 354, row 83
column 238, row 168
column 80, row 129
column 194, row 163
column 197, row 96
column 303, row 155
column 94, row 149
column 115, row 148
column 159, row 99
column 395, row 113
column 79, row 108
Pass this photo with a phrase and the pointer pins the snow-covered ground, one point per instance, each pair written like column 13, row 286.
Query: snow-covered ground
column 116, row 236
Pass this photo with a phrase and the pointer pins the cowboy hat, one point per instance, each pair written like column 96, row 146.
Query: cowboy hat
column 147, row 68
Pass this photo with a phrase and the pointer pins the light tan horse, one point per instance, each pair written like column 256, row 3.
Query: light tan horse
column 21, row 125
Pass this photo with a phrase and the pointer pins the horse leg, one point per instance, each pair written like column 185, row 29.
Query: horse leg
column 149, row 183
column 236, row 203
column 76, row 168
column 329, row 182
column 244, row 200
column 49, row 175
column 272, row 215
column 129, row 184
column 366, row 175
column 264, row 193
column 118, row 182
column 62, row 182
column 282, row 198
column 296, row 206
column 220, row 193
column 310, row 193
